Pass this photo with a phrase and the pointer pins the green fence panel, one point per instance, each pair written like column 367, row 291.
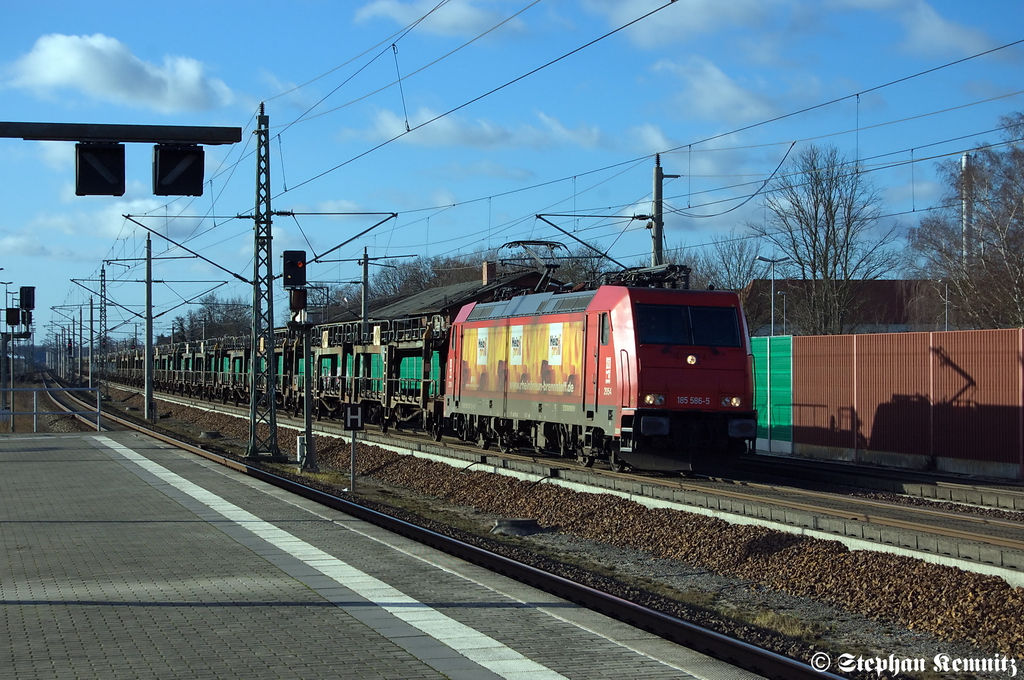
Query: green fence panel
column 779, row 387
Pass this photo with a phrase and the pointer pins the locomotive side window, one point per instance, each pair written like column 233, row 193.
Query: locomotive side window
column 677, row 325
column 605, row 329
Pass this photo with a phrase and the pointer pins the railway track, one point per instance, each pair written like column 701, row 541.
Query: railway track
column 1000, row 494
column 943, row 532
column 739, row 653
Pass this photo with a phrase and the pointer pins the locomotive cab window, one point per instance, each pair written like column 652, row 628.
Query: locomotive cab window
column 679, row 325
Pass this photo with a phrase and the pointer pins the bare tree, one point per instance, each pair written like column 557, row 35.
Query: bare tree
column 823, row 214
column 412, row 276
column 583, row 265
column 213, row 318
column 729, row 262
column 984, row 273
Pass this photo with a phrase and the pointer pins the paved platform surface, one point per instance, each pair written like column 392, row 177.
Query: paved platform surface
column 121, row 557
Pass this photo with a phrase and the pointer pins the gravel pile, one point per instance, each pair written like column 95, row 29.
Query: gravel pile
column 858, row 601
column 950, row 603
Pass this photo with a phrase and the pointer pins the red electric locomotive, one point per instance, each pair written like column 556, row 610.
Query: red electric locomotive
column 653, row 378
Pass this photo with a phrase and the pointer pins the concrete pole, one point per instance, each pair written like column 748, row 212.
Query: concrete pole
column 92, row 339
column 309, row 463
column 150, row 409
column 967, row 209
column 81, row 345
column 658, row 215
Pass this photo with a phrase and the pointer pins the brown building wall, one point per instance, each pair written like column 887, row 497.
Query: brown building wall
column 892, row 392
column 823, row 390
column 924, row 400
column 977, row 395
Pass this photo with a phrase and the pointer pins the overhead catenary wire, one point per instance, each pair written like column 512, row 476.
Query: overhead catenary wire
column 690, row 145
column 913, row 160
column 484, row 95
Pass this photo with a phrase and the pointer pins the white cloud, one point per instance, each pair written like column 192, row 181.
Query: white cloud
column 684, row 20
column 711, row 94
column 24, row 245
column 58, row 155
column 487, row 168
column 340, row 205
column 650, row 138
column 928, row 32
column 455, row 18
column 105, row 69
column 451, row 131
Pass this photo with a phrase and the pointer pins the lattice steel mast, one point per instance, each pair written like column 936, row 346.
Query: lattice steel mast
column 262, row 397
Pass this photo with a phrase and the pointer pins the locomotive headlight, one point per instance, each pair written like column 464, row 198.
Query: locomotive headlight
column 732, row 401
column 692, row 359
column 654, row 399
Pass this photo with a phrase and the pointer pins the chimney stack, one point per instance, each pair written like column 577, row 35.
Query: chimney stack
column 490, row 272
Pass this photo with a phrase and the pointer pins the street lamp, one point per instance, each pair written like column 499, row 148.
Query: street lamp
column 782, row 294
column 773, row 263
column 768, row 352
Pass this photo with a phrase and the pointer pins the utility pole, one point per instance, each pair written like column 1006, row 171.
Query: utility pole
column 294, row 280
column 967, row 208
column 81, row 344
column 92, row 341
column 657, row 215
column 150, row 411
column 262, row 388
column 103, row 328
column 363, row 365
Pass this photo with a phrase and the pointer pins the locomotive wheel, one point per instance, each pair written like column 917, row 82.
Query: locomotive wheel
column 585, row 460
column 566, row 444
column 617, row 464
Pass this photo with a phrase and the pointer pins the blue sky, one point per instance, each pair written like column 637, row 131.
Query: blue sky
column 717, row 87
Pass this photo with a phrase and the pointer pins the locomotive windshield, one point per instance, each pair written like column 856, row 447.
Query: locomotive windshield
column 679, row 325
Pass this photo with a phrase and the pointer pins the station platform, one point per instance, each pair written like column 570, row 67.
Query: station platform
column 121, row 557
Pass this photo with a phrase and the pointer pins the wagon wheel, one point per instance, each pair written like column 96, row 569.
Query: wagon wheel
column 566, row 445
column 482, row 442
column 505, row 443
column 435, row 430
column 617, row 464
column 586, row 460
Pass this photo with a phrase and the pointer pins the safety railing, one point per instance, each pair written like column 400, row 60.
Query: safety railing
column 7, row 414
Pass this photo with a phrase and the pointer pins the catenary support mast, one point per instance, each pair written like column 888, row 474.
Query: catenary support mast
column 262, row 397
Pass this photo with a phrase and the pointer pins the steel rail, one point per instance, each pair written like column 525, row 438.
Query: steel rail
column 736, row 652
column 865, row 518
column 67, row 409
